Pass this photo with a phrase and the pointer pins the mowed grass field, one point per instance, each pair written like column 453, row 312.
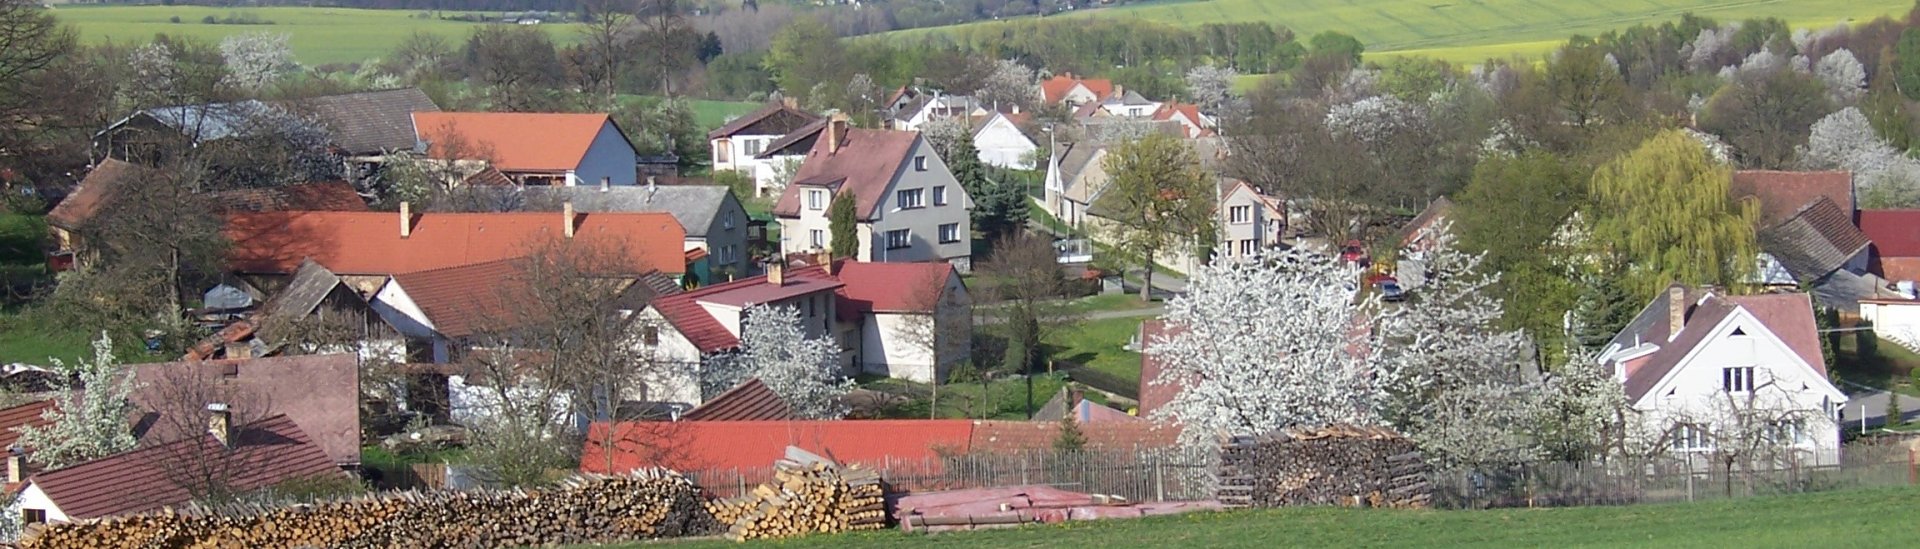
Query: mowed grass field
column 319, row 35
column 1864, row 518
column 1473, row 30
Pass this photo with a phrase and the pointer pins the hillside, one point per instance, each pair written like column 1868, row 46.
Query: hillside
column 320, row 35
column 1469, row 29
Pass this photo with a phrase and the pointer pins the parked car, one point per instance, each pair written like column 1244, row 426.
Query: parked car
column 1390, row 290
column 1353, row 252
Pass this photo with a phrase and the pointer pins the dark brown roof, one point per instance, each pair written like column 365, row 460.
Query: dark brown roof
column 864, row 163
column 319, row 392
column 264, row 453
column 310, row 285
column 748, row 401
column 798, row 141
column 371, row 122
column 329, row 196
column 775, row 118
column 1817, row 240
column 86, row 198
column 1781, row 194
column 24, row 415
column 1788, row 316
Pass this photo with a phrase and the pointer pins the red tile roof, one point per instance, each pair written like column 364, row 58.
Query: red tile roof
column 1780, row 194
column 461, row 300
column 698, row 445
column 513, row 141
column 264, row 453
column 1788, row 316
column 24, row 415
column 320, row 393
column 86, row 198
column 330, row 196
column 684, row 313
column 1895, row 233
column 865, row 164
column 749, row 401
column 890, row 287
column 369, row 243
column 1055, row 89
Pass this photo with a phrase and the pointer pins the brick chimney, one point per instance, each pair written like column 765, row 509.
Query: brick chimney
column 1676, row 310
column 406, row 219
column 777, row 273
column 566, row 214
column 836, row 130
column 790, row 102
column 220, row 423
column 16, row 465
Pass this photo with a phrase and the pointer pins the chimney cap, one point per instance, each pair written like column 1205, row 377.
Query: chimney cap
column 217, row 407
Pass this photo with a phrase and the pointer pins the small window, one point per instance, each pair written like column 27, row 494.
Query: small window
column 1738, row 379
column 650, row 335
column 920, row 163
column 949, row 233
column 818, row 238
column 1247, row 247
column 816, row 199
column 1787, row 431
column 1688, row 438
column 726, row 221
column 907, row 199
column 754, row 146
column 1739, row 331
column 33, row 516
column 901, row 238
column 1240, row 214
column 940, row 195
column 722, row 151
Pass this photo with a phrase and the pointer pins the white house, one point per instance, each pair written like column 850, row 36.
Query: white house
column 930, row 107
column 1001, row 143
column 1066, row 89
column 1073, row 176
column 1250, row 221
column 533, row 148
column 738, row 144
column 908, row 207
column 1729, row 376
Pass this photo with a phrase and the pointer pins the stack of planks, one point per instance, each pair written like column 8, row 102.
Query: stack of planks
column 1336, row 465
column 586, row 509
column 808, row 494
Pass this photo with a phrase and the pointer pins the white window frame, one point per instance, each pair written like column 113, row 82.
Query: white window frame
column 755, row 146
column 949, row 233
column 1239, row 215
column 909, row 199
column 817, row 199
column 1690, row 437
column 904, row 239
column 1738, row 379
column 818, row 237
column 920, row 163
column 939, row 195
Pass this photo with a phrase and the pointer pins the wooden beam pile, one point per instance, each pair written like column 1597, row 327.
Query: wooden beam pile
column 587, row 509
column 808, row 494
column 1337, row 465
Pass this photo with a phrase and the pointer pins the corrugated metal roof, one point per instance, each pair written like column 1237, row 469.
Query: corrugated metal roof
column 748, row 401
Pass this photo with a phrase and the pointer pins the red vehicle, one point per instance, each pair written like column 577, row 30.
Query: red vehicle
column 1353, row 252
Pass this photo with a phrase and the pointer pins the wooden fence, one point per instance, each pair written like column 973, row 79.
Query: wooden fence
column 1171, row 474
column 1668, row 479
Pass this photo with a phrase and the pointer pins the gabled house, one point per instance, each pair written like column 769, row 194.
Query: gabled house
column 372, row 123
column 1074, row 176
column 1001, row 142
column 1250, row 221
column 68, row 219
column 559, row 149
column 444, row 311
column 360, row 124
column 738, row 144
column 1128, row 104
column 751, row 400
column 926, row 108
column 1708, row 372
column 908, row 206
column 1066, row 89
column 712, row 217
column 1806, row 229
column 320, row 393
column 1188, row 115
column 231, row 459
column 142, row 133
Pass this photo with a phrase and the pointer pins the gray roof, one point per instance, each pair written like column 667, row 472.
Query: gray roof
column 1133, row 98
column 1817, row 240
column 694, row 206
column 208, row 122
column 371, row 122
column 311, row 284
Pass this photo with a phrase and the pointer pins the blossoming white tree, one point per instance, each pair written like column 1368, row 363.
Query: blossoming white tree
column 1264, row 344
column 1845, row 78
column 804, row 371
column 1845, row 140
column 256, row 59
column 89, row 421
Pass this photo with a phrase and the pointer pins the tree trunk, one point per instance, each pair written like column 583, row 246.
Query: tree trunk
column 1146, row 290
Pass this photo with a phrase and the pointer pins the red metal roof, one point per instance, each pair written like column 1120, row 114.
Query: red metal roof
column 369, row 243
column 264, row 453
column 320, row 393
column 24, row 415
column 865, row 164
column 749, row 401
column 698, row 445
column 512, row 141
column 1895, row 233
column 891, row 287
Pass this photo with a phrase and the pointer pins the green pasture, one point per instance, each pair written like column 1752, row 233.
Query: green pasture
column 320, row 35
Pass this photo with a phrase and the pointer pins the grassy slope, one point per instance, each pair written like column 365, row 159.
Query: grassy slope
column 1097, row 345
column 1834, row 519
column 320, row 35
column 1472, row 30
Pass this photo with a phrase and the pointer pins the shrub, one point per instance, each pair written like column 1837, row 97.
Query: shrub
column 175, row 19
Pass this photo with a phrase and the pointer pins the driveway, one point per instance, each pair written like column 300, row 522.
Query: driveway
column 1874, row 406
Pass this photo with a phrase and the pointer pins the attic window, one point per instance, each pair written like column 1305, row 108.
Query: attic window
column 920, row 163
column 1739, row 331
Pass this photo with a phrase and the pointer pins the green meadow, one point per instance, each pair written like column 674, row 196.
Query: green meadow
column 319, row 35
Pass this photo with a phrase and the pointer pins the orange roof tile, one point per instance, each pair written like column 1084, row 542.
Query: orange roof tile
column 513, row 141
column 369, row 243
column 460, row 300
column 85, row 199
column 1055, row 89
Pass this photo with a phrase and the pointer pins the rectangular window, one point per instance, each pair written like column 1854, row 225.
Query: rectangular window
column 33, row 516
column 940, row 195
column 816, row 199
column 900, row 238
column 1240, row 214
column 726, row 222
column 1738, row 379
column 754, row 146
column 723, row 151
column 949, row 233
column 920, row 163
column 1246, row 247
column 907, row 199
column 650, row 335
column 818, row 238
column 1688, row 437
column 1787, row 431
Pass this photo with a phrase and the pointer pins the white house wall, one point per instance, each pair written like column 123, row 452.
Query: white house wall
column 35, row 498
column 398, row 309
column 1896, row 321
column 610, row 156
column 1782, row 382
column 1002, row 145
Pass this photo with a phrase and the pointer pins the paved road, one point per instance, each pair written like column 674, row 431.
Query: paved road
column 1875, row 404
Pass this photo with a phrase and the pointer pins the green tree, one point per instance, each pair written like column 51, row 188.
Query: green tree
column 807, row 54
column 89, row 421
column 1765, row 118
column 1663, row 211
column 1585, row 85
column 842, row 223
column 1906, row 63
column 1070, row 439
column 1347, row 47
column 1415, row 78
column 1510, row 211
column 1158, row 197
column 999, row 204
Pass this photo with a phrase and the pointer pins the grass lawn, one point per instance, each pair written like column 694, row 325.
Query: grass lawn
column 320, row 35
column 34, row 344
column 1465, row 31
column 1097, row 344
column 1890, row 368
column 712, row 114
column 1000, row 399
column 1832, row 519
column 1111, row 302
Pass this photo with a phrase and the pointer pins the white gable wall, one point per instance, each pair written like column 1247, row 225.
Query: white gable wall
column 1001, row 144
column 32, row 497
column 1694, row 391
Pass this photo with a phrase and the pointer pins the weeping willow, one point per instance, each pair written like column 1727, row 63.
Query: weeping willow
column 1664, row 210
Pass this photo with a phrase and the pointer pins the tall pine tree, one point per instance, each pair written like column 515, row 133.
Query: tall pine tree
column 999, row 206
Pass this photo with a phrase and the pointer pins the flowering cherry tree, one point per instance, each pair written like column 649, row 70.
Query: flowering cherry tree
column 88, row 422
column 804, row 371
column 1263, row 344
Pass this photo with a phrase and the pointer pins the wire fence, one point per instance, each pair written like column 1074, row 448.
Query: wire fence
column 1169, row 474
column 1688, row 477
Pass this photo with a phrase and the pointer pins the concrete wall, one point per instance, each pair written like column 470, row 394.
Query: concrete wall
column 1262, row 226
column 923, row 223
column 610, row 156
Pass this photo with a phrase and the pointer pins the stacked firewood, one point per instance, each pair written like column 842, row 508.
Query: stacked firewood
column 589, row 509
column 808, row 494
column 1336, row 465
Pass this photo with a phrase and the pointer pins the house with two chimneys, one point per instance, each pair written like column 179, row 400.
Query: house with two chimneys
column 908, row 207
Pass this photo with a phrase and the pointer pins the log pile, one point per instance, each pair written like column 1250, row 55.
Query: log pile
column 808, row 494
column 1337, row 465
column 586, row 509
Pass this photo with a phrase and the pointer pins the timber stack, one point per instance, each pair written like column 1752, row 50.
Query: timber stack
column 585, row 509
column 1336, row 465
column 809, row 494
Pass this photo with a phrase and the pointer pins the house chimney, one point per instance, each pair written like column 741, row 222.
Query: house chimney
column 566, row 213
column 790, row 102
column 825, row 259
column 220, row 423
column 16, row 465
column 776, row 273
column 239, row 349
column 606, row 182
column 406, row 219
column 1119, row 90
column 1676, row 310
column 836, row 129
